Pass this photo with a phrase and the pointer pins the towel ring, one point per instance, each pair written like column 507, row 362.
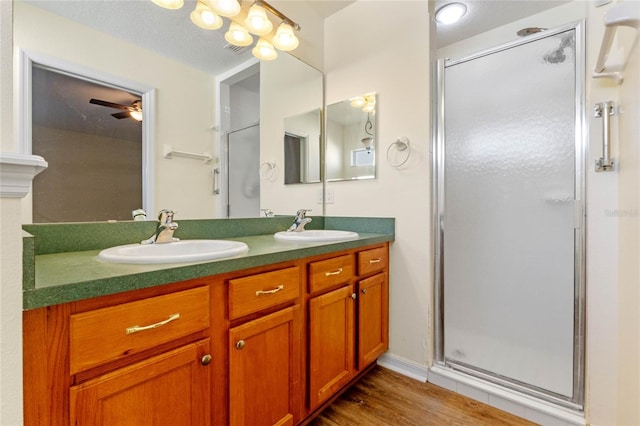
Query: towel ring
column 400, row 145
column 267, row 170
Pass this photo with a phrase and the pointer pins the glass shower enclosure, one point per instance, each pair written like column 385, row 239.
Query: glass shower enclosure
column 508, row 173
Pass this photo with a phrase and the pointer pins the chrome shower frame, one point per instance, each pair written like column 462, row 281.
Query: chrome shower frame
column 576, row 401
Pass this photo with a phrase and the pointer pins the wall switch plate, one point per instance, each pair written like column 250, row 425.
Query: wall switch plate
column 329, row 198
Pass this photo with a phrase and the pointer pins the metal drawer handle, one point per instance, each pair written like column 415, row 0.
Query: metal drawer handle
column 378, row 260
column 136, row 328
column 336, row 272
column 275, row 290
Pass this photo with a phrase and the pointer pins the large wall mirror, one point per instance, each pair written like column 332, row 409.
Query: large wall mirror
column 302, row 143
column 351, row 139
column 110, row 38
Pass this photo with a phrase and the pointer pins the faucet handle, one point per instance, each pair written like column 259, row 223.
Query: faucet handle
column 302, row 212
column 166, row 216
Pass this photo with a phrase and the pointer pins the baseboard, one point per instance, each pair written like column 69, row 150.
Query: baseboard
column 513, row 402
column 404, row 366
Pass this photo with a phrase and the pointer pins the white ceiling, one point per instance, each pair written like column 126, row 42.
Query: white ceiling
column 483, row 15
column 170, row 32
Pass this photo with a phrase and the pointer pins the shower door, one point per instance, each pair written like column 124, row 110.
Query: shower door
column 243, row 162
column 509, row 215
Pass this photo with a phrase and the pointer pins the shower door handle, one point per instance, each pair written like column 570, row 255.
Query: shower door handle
column 604, row 110
column 216, row 174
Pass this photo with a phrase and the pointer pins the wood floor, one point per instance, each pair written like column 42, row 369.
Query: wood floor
column 386, row 398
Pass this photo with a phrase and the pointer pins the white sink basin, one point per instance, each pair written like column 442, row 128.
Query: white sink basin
column 316, row 235
column 176, row 252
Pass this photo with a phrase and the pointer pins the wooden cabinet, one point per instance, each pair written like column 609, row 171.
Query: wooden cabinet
column 264, row 363
column 168, row 389
column 331, row 343
column 267, row 346
column 373, row 318
column 265, row 349
column 346, row 325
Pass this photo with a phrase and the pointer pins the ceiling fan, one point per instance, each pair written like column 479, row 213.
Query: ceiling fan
column 134, row 110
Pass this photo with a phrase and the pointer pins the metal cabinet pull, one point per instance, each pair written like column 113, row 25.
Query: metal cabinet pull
column 137, row 328
column 205, row 360
column 364, row 291
column 275, row 290
column 354, row 296
column 336, row 272
column 378, row 260
column 240, row 344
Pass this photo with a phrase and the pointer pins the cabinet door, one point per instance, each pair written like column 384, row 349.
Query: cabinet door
column 264, row 365
column 169, row 389
column 373, row 319
column 331, row 343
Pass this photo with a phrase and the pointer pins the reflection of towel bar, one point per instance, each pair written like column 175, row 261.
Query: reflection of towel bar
column 169, row 152
column 626, row 14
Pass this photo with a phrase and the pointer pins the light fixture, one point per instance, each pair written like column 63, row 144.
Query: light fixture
column 207, row 14
column 238, row 35
column 285, row 39
column 257, row 21
column 205, row 18
column 264, row 50
column 135, row 111
column 366, row 102
column 358, row 102
column 450, row 13
column 169, row 4
column 228, row 8
column 367, row 141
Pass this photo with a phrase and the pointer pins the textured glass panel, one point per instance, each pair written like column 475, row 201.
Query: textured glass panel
column 244, row 181
column 509, row 213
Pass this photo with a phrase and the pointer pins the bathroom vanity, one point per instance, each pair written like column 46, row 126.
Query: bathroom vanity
column 267, row 338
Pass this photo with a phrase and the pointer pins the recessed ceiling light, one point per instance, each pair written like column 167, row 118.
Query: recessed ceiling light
column 450, row 13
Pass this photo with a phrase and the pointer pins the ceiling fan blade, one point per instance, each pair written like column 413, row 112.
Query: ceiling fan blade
column 120, row 115
column 109, row 104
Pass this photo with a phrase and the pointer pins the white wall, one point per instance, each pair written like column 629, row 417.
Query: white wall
column 613, row 216
column 184, row 100
column 628, row 222
column 288, row 88
column 10, row 246
column 366, row 51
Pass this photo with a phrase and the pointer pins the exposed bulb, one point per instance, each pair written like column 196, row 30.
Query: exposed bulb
column 228, row 8
column 257, row 20
column 205, row 18
column 285, row 39
column 264, row 50
column 238, row 35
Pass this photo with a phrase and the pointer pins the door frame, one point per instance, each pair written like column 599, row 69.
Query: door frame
column 27, row 59
column 576, row 402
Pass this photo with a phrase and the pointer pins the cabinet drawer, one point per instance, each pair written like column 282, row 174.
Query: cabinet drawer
column 329, row 273
column 261, row 291
column 372, row 260
column 107, row 334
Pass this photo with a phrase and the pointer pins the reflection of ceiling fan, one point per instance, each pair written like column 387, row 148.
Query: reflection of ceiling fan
column 134, row 110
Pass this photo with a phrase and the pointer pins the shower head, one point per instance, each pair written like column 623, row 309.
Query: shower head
column 555, row 57
column 558, row 56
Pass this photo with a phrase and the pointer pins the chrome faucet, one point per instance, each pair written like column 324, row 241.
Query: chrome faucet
column 164, row 230
column 300, row 221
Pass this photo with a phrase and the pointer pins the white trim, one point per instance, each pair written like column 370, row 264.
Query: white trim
column 26, row 58
column 404, row 366
column 220, row 150
column 16, row 173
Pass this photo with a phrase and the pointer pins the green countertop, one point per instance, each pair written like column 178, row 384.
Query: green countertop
column 56, row 273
